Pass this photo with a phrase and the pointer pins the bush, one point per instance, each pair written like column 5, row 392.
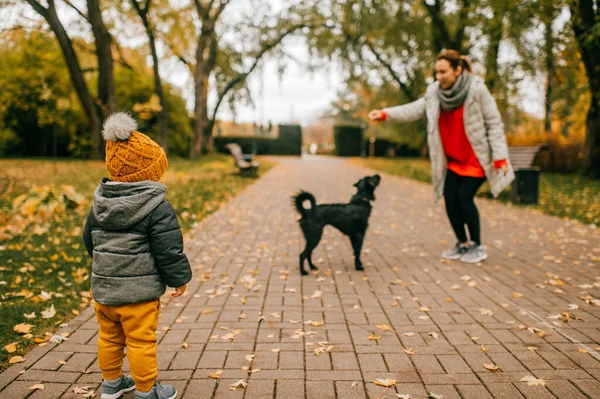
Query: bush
column 348, row 140
column 289, row 142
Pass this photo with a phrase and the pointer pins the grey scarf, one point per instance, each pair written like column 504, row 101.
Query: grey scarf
column 454, row 96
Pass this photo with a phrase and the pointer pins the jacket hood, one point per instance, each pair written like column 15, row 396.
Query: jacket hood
column 118, row 206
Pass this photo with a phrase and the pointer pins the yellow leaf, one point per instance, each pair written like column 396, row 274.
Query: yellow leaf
column 15, row 359
column 484, row 348
column 410, row 351
column 23, row 328
column 383, row 327
column 517, row 295
column 10, row 348
column 582, row 350
column 215, row 374
column 373, row 337
column 388, row 382
column 492, row 367
column 36, row 387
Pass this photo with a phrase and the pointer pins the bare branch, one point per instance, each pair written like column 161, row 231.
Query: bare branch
column 67, row 2
column 242, row 76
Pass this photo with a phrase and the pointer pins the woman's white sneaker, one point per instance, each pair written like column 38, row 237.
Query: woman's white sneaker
column 475, row 254
column 456, row 252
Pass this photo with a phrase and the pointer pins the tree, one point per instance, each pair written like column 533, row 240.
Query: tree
column 218, row 65
column 142, row 12
column 586, row 25
column 75, row 71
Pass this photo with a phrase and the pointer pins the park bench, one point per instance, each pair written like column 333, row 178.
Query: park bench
column 525, row 186
column 244, row 162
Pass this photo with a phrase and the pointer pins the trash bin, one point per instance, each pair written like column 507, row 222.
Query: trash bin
column 525, row 187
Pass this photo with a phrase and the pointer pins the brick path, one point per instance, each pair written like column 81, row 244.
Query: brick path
column 444, row 311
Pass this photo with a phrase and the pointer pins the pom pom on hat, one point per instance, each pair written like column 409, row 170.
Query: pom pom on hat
column 118, row 126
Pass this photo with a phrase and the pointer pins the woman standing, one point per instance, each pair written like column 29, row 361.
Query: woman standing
column 466, row 143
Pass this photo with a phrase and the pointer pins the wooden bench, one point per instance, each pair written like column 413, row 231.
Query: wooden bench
column 244, row 162
column 523, row 157
column 524, row 188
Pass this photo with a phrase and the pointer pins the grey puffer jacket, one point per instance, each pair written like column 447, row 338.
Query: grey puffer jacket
column 134, row 238
column 483, row 126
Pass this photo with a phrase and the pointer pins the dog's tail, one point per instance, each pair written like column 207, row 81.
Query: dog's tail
column 299, row 199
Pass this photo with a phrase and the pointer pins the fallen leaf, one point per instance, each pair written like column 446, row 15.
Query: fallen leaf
column 373, row 337
column 276, row 350
column 492, row 367
column 486, row 312
column 237, row 384
column 23, row 328
column 48, row 313
column 30, row 316
column 10, row 348
column 16, row 359
column 403, row 396
column 250, row 357
column 409, row 351
column 517, row 295
column 184, row 345
column 388, row 382
column 484, row 348
column 36, row 387
column 530, row 380
column 432, row 395
column 409, row 334
column 215, row 374
column 383, row 327
column 434, row 335
column 354, row 384
column 583, row 350
column 532, row 348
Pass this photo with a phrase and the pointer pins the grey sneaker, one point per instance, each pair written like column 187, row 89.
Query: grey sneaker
column 456, row 252
column 116, row 388
column 475, row 254
column 158, row 391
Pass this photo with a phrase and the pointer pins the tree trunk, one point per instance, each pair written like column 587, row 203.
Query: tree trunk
column 163, row 116
column 201, row 105
column 550, row 69
column 592, row 140
column 586, row 26
column 75, row 72
column 103, row 42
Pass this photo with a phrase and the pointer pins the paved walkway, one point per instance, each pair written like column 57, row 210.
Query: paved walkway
column 438, row 322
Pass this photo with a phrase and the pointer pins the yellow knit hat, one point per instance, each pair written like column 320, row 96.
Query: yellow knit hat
column 131, row 156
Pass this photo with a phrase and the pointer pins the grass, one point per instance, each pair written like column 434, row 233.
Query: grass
column 567, row 196
column 46, row 254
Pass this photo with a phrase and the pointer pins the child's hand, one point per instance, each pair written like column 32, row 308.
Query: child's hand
column 179, row 291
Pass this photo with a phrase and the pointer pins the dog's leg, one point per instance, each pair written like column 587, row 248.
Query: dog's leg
column 312, row 235
column 357, row 243
column 314, row 238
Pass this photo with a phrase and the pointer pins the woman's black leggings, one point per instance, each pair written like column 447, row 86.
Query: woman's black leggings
column 459, row 194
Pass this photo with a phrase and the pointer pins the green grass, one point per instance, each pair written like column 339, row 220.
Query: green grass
column 47, row 254
column 567, row 196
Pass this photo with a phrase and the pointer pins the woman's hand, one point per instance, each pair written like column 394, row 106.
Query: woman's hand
column 376, row 115
column 504, row 168
column 179, row 291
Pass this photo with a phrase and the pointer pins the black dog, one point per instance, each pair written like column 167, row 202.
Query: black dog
column 351, row 219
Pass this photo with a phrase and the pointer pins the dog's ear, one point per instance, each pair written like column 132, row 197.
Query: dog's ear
column 357, row 184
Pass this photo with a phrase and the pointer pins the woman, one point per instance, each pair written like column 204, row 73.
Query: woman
column 466, row 146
